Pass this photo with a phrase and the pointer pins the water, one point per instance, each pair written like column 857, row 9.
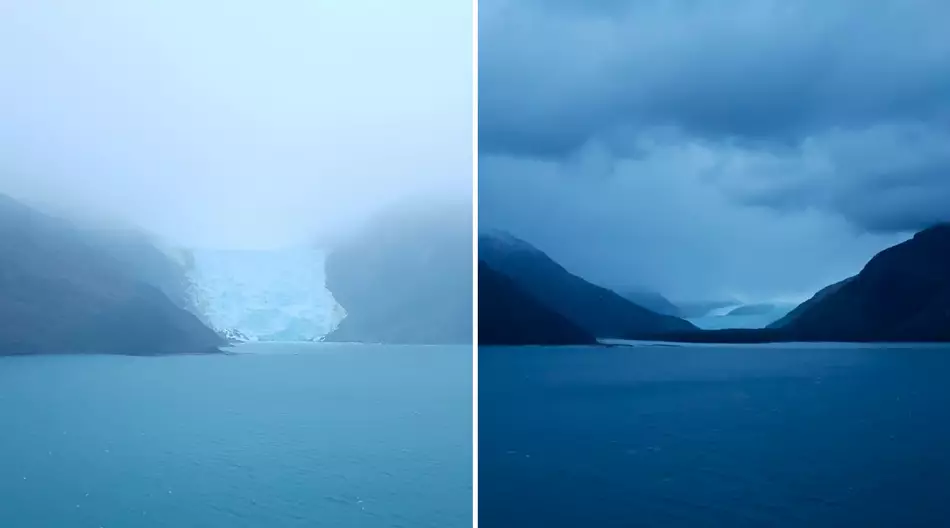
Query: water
column 277, row 436
column 808, row 435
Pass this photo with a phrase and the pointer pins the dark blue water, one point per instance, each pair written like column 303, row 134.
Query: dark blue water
column 280, row 436
column 813, row 435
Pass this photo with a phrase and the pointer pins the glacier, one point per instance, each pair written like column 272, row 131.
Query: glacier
column 720, row 318
column 269, row 295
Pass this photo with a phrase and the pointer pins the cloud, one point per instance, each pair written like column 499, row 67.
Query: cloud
column 666, row 221
column 758, row 148
column 554, row 76
column 234, row 122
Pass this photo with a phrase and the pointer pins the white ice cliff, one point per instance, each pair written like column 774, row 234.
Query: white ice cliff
column 264, row 295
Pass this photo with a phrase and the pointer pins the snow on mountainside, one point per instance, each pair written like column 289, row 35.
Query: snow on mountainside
column 263, row 295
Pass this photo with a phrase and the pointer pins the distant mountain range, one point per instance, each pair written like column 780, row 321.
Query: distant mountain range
column 407, row 279
column 598, row 311
column 68, row 290
column 901, row 295
column 726, row 313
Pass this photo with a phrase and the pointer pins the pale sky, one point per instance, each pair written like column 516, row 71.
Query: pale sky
column 235, row 123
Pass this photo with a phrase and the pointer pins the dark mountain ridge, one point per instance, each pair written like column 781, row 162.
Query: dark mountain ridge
column 599, row 311
column 509, row 316
column 807, row 305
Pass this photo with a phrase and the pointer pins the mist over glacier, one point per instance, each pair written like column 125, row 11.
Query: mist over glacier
column 249, row 144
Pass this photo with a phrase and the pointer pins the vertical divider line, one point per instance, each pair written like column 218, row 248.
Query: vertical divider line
column 475, row 263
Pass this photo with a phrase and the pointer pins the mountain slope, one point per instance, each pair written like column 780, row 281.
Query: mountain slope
column 509, row 316
column 138, row 255
column 805, row 306
column 59, row 294
column 406, row 279
column 902, row 294
column 651, row 300
column 597, row 310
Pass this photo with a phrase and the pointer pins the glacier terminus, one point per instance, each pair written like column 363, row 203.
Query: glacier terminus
column 263, row 295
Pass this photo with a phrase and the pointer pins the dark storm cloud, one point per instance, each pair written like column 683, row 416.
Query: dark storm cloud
column 885, row 178
column 756, row 147
column 553, row 76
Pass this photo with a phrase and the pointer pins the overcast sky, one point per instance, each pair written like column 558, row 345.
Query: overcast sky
column 235, row 122
column 755, row 148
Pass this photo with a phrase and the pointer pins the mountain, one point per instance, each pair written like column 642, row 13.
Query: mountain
column 406, row 278
column 597, row 310
column 509, row 316
column 650, row 300
column 59, row 293
column 902, row 294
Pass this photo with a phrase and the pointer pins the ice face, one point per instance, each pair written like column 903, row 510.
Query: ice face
column 264, row 295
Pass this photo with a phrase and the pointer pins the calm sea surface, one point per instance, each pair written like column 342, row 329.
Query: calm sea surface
column 808, row 435
column 273, row 436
